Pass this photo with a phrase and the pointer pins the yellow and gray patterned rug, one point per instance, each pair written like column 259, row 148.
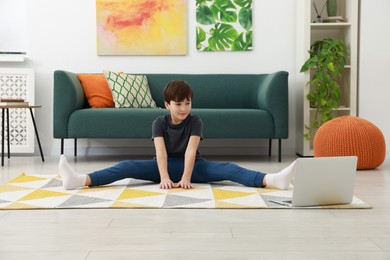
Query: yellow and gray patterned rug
column 46, row 192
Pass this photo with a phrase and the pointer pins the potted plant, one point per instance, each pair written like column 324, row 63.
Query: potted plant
column 327, row 60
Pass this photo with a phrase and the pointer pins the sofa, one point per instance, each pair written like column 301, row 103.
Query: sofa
column 230, row 105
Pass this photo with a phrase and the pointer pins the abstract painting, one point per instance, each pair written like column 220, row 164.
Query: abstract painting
column 224, row 25
column 141, row 27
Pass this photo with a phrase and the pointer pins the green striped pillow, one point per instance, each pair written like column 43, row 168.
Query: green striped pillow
column 130, row 90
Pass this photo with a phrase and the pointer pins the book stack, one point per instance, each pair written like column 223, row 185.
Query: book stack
column 13, row 102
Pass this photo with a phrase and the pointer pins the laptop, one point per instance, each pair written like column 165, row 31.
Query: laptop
column 322, row 181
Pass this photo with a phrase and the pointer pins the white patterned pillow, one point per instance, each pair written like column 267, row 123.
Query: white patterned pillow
column 130, row 90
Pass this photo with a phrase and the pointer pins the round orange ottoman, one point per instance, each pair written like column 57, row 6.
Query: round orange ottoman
column 348, row 136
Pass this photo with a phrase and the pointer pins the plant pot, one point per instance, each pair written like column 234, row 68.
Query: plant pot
column 331, row 7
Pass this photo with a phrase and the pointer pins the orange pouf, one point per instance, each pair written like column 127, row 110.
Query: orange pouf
column 349, row 135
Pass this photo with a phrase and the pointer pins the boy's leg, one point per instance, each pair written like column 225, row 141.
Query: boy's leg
column 144, row 170
column 210, row 171
column 141, row 169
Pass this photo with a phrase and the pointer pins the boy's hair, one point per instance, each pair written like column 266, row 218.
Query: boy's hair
column 177, row 90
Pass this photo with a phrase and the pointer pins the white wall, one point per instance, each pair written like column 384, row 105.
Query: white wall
column 13, row 26
column 62, row 35
column 374, row 84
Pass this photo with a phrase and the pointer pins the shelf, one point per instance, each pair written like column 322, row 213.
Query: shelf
column 327, row 26
column 337, row 109
column 309, row 32
column 345, row 67
column 11, row 58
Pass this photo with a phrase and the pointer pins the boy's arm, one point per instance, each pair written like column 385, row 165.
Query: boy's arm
column 162, row 163
column 189, row 161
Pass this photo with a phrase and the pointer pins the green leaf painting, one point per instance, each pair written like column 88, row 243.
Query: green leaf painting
column 224, row 25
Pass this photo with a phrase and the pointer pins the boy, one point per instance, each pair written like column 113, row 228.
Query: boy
column 176, row 138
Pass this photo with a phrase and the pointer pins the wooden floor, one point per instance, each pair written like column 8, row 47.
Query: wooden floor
column 197, row 233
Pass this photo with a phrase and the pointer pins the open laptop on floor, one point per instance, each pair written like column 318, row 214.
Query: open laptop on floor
column 322, row 181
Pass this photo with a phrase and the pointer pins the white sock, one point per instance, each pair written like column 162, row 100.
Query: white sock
column 282, row 179
column 70, row 179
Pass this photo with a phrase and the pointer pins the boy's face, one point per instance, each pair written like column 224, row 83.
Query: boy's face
column 179, row 110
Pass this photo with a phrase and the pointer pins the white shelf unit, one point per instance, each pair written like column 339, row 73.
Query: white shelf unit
column 307, row 33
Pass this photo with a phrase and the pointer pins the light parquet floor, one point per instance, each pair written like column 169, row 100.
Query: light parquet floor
column 197, row 233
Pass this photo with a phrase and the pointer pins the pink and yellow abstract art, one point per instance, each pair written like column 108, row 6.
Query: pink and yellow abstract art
column 141, row 27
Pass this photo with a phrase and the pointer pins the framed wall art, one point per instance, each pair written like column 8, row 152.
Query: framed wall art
column 224, row 25
column 141, row 27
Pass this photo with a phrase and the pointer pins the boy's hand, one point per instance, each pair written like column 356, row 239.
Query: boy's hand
column 185, row 184
column 166, row 184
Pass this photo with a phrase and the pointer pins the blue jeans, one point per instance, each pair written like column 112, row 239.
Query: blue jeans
column 204, row 171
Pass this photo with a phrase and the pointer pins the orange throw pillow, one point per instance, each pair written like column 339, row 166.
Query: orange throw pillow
column 96, row 90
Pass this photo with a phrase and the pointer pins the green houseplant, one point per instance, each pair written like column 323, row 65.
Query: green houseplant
column 327, row 60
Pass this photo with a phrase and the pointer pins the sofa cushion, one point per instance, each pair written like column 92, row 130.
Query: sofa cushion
column 213, row 90
column 96, row 90
column 137, row 123
column 113, row 122
column 236, row 123
column 131, row 91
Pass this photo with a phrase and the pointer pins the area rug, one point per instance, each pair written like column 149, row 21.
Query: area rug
column 46, row 192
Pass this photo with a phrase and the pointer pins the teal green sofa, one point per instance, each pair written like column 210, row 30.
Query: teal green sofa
column 230, row 105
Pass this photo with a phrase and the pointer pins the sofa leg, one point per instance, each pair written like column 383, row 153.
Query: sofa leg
column 269, row 146
column 75, row 147
column 62, row 145
column 280, row 150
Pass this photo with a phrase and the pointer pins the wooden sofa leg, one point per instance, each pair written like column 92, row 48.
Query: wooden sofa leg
column 269, row 146
column 62, row 145
column 75, row 147
column 280, row 150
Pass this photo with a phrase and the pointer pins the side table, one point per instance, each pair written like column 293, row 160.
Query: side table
column 5, row 109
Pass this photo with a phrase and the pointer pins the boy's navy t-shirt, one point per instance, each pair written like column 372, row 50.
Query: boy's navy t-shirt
column 176, row 137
